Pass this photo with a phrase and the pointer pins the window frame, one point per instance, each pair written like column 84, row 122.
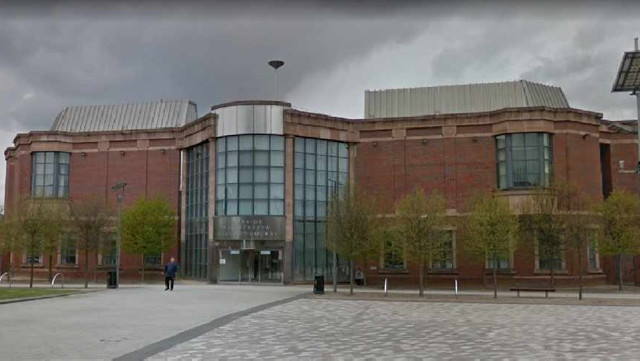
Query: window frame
column 39, row 191
column 544, row 158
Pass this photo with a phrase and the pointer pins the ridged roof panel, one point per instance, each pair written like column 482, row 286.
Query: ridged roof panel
column 133, row 116
column 468, row 98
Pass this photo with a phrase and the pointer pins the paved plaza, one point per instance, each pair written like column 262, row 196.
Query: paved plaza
column 110, row 323
column 344, row 329
column 203, row 322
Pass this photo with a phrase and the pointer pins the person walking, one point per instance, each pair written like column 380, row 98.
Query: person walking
column 170, row 270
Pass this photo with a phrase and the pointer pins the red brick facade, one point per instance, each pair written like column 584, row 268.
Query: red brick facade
column 454, row 154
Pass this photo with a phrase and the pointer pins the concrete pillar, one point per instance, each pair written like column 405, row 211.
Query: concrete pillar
column 288, row 204
column 212, row 250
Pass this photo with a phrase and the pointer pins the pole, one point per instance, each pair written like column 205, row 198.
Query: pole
column 275, row 71
column 335, row 255
column 118, row 240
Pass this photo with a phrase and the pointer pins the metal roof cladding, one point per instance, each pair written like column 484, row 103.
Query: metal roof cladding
column 134, row 116
column 468, row 98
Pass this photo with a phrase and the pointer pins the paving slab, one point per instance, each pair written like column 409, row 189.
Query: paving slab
column 110, row 323
column 316, row 328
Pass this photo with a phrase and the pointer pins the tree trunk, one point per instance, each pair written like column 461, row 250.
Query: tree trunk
column 352, row 273
column 31, row 274
column 50, row 267
column 553, row 268
column 142, row 276
column 421, row 286
column 364, row 274
column 95, row 267
column 86, row 268
column 619, row 262
column 495, row 276
column 580, row 272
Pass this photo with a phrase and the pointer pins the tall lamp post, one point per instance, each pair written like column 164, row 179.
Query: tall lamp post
column 119, row 189
column 628, row 80
column 334, row 267
column 276, row 64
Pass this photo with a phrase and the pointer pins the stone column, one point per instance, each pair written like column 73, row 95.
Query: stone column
column 288, row 205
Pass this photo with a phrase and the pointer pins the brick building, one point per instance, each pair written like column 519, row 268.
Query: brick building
column 250, row 180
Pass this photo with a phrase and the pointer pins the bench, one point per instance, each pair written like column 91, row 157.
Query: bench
column 534, row 287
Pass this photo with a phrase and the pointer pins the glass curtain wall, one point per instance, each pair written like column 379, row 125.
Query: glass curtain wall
column 321, row 168
column 197, row 204
column 250, row 175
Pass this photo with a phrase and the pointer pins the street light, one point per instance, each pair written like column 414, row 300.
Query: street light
column 276, row 64
column 628, row 80
column 335, row 190
column 119, row 189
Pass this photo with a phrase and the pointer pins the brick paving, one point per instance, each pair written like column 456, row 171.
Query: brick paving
column 324, row 328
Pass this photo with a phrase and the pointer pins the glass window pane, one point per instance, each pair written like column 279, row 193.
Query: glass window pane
column 262, row 158
column 48, row 180
column 277, row 142
column 501, row 141
column 48, row 168
column 309, row 208
column 48, row 191
column 531, row 139
column 333, row 164
column 343, row 164
column 277, row 175
column 220, row 176
column 322, row 178
column 298, row 208
column 277, row 158
column 310, row 161
column 321, row 193
column 517, row 140
column 321, row 162
column 333, row 149
column 343, row 150
column 260, row 191
column 48, row 157
column 39, row 169
column 220, row 192
column 232, row 143
column 546, row 140
column 277, row 191
column 310, row 177
column 220, row 160
column 309, row 193
column 299, row 145
column 276, row 207
column 220, row 143
column 299, row 160
column 245, row 142
column 322, row 147
column 232, row 208
column 246, row 207
column 310, row 146
column 261, row 207
column 261, row 175
column 39, row 156
column 262, row 142
column 298, row 177
column 232, row 175
column 63, row 158
column 246, row 191
column 299, row 192
column 246, row 175
column 246, row 158
column 232, row 159
column 232, row 191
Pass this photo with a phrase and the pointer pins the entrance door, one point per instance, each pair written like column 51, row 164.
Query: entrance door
column 251, row 266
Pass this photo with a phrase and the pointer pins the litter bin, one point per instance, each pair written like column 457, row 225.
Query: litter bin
column 318, row 284
column 112, row 281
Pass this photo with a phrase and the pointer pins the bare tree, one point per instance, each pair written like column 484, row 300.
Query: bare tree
column 491, row 232
column 420, row 221
column 90, row 220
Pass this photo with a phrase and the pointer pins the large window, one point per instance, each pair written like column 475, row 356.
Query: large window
column 196, row 245
column 393, row 255
column 68, row 250
column 50, row 175
column 250, row 175
column 445, row 259
column 523, row 160
column 321, row 167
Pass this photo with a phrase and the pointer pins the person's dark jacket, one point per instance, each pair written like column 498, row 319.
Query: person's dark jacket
column 171, row 269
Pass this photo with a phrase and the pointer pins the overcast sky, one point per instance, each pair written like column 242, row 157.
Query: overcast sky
column 68, row 53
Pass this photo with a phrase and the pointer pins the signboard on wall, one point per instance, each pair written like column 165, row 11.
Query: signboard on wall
column 262, row 228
